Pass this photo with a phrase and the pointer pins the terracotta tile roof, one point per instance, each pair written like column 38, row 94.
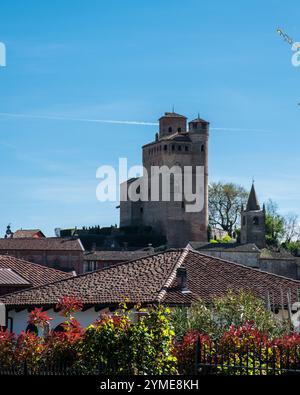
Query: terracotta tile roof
column 229, row 247
column 44, row 244
column 23, row 233
column 34, row 274
column 9, row 277
column 141, row 281
column 208, row 276
column 115, row 255
column 172, row 115
column 152, row 279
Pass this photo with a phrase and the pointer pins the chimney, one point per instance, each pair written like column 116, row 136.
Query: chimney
column 181, row 276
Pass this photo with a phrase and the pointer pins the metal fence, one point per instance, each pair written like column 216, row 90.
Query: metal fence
column 213, row 359
column 61, row 369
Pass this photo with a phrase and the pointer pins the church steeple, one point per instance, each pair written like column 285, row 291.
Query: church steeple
column 253, row 204
column 253, row 228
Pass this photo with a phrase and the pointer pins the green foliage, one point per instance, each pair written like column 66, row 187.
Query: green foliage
column 293, row 247
column 117, row 344
column 231, row 309
column 225, row 201
column 275, row 224
column 226, row 239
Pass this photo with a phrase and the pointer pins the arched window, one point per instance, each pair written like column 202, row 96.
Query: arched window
column 32, row 328
column 59, row 328
column 170, row 129
column 256, row 221
column 179, row 130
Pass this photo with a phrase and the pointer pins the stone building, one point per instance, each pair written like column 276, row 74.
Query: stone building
column 253, row 228
column 176, row 147
column 61, row 253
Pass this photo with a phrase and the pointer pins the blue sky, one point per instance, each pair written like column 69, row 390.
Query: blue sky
column 134, row 60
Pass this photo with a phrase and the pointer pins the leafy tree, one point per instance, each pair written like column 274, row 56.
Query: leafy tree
column 231, row 309
column 291, row 228
column 275, row 224
column 225, row 202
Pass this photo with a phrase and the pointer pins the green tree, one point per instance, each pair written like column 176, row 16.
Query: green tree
column 225, row 201
column 275, row 224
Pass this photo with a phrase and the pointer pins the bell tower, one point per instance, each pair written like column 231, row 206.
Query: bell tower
column 253, row 228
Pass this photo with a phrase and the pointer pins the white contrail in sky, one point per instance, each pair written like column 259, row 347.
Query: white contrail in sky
column 58, row 118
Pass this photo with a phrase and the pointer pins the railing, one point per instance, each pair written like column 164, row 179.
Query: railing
column 213, row 358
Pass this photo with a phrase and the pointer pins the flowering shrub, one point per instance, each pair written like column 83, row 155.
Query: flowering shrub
column 29, row 349
column 39, row 318
column 241, row 350
column 69, row 305
column 185, row 350
column 112, row 344
column 7, row 345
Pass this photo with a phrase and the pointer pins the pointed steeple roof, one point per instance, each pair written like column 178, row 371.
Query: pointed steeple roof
column 253, row 204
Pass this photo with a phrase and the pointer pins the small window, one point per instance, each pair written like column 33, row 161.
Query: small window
column 141, row 210
column 179, row 147
column 179, row 130
column 165, row 147
column 170, row 129
column 244, row 221
column 202, row 148
column 256, row 221
column 32, row 328
column 194, row 125
column 186, row 148
column 59, row 328
column 173, row 147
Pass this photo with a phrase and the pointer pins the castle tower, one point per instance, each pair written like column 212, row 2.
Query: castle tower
column 253, row 229
column 174, row 146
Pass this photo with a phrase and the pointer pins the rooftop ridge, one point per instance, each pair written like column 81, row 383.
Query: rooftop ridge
column 172, row 276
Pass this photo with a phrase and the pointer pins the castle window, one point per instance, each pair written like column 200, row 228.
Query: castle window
column 179, row 130
column 141, row 210
column 165, row 147
column 194, row 125
column 179, row 147
column 256, row 221
column 244, row 221
column 173, row 147
column 202, row 148
column 170, row 129
column 186, row 148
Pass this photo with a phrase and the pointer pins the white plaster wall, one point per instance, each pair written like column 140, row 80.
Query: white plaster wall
column 20, row 318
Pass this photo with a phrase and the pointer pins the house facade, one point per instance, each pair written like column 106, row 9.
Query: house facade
column 174, row 278
column 61, row 253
